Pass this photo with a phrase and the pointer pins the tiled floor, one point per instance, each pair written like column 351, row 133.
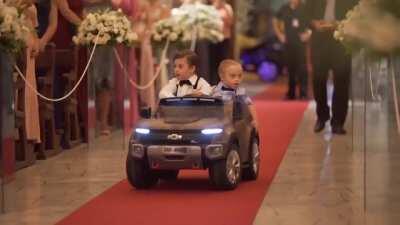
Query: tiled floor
column 320, row 181
column 51, row 189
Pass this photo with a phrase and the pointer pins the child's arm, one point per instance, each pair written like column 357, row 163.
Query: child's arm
column 204, row 88
column 168, row 90
column 254, row 115
column 252, row 109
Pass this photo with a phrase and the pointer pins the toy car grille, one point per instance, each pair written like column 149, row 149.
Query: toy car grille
column 188, row 137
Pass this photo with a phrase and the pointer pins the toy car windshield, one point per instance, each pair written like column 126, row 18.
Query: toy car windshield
column 189, row 109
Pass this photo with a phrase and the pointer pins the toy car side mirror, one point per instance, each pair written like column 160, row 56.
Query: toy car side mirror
column 145, row 112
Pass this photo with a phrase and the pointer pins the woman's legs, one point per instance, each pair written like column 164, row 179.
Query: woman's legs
column 104, row 101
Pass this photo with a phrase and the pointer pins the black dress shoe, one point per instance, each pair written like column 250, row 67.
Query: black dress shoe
column 303, row 97
column 319, row 126
column 338, row 130
column 289, row 97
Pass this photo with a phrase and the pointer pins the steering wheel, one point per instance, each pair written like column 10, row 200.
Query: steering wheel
column 197, row 96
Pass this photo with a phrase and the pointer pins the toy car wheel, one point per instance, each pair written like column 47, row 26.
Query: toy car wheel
column 139, row 174
column 226, row 174
column 251, row 172
column 168, row 174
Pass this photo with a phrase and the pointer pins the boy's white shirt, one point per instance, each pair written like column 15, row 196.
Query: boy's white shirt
column 169, row 90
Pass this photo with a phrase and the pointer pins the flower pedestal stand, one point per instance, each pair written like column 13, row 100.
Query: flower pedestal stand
column 7, row 152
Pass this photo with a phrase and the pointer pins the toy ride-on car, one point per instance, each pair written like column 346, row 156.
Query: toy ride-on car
column 194, row 133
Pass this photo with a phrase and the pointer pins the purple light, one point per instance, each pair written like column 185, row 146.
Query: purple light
column 267, row 71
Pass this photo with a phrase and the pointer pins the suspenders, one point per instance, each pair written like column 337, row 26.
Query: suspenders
column 197, row 82
column 194, row 86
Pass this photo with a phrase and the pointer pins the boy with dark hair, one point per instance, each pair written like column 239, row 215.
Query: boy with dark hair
column 186, row 82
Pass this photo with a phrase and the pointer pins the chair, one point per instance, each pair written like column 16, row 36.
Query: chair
column 24, row 149
column 45, row 67
column 67, row 60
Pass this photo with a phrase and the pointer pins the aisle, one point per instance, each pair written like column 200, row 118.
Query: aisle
column 192, row 200
column 321, row 180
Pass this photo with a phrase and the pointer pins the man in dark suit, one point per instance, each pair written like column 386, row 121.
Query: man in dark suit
column 327, row 53
column 289, row 15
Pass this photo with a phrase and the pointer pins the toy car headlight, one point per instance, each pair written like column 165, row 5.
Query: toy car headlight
column 211, row 131
column 142, row 130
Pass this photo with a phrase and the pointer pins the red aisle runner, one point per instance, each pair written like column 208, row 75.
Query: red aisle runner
column 191, row 200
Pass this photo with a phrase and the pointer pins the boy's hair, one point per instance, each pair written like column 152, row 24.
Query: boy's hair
column 226, row 63
column 190, row 56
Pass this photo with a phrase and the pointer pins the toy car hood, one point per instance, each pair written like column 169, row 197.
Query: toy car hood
column 162, row 124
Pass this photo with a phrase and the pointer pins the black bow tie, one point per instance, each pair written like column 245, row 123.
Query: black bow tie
column 184, row 82
column 227, row 89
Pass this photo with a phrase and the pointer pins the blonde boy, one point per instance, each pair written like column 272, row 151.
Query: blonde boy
column 231, row 75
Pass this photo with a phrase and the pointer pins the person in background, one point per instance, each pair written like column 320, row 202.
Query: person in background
column 293, row 37
column 69, row 17
column 32, row 50
column 103, row 72
column 47, row 16
column 48, row 20
column 149, row 12
column 122, row 90
column 221, row 51
column 329, row 54
column 71, row 10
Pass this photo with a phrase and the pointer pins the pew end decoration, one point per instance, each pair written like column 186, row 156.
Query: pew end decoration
column 13, row 29
column 109, row 27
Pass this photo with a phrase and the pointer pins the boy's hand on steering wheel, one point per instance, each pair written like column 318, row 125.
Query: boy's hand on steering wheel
column 195, row 94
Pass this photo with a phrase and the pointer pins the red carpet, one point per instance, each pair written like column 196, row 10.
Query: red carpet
column 191, row 200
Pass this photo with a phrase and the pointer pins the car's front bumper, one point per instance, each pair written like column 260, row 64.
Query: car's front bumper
column 170, row 157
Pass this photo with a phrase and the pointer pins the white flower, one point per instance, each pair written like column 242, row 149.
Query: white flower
column 165, row 32
column 90, row 37
column 120, row 39
column 173, row 36
column 157, row 37
column 76, row 40
column 131, row 37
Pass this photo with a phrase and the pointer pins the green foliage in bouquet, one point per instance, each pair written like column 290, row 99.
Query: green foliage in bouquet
column 11, row 46
column 391, row 6
column 373, row 25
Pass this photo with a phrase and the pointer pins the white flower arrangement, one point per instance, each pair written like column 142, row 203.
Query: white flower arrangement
column 12, row 28
column 203, row 20
column 167, row 29
column 370, row 27
column 111, row 27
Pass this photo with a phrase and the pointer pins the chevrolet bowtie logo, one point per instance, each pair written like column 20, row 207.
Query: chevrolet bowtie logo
column 174, row 137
